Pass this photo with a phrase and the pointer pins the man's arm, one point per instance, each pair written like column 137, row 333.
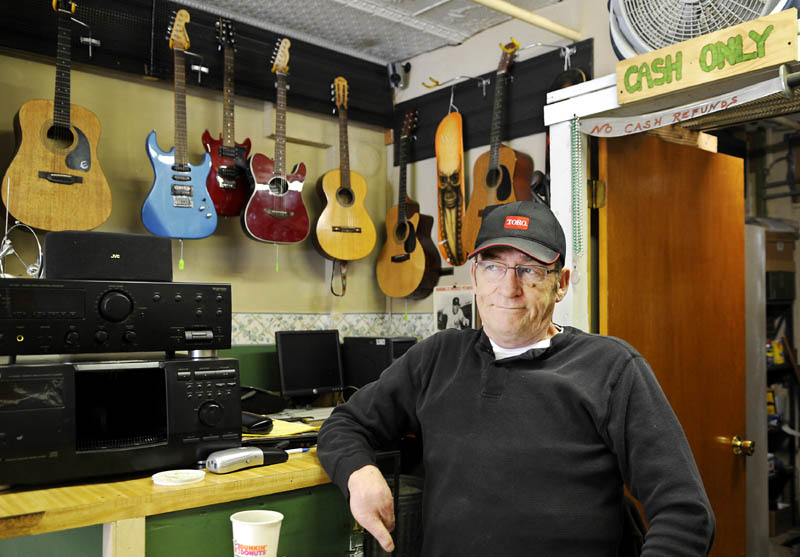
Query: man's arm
column 658, row 467
column 372, row 505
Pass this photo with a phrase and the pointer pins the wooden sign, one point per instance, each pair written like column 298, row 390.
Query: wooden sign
column 762, row 43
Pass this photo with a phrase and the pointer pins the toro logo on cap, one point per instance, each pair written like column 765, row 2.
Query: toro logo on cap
column 520, row 223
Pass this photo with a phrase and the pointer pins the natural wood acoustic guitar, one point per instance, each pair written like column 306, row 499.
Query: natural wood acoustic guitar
column 344, row 230
column 55, row 181
column 409, row 263
column 228, row 182
column 275, row 212
column 500, row 175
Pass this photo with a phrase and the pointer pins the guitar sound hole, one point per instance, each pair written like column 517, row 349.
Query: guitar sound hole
column 278, row 186
column 60, row 137
column 345, row 196
column 400, row 231
column 500, row 179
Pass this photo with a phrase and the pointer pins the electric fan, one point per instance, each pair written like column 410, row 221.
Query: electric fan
column 639, row 26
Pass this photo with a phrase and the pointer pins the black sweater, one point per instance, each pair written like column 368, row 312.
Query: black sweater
column 528, row 455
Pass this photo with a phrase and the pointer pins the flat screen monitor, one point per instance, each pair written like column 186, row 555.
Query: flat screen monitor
column 309, row 363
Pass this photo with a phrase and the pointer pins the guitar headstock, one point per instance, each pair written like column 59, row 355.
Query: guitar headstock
column 280, row 58
column 225, row 33
column 409, row 123
column 509, row 50
column 64, row 6
column 178, row 38
column 340, row 92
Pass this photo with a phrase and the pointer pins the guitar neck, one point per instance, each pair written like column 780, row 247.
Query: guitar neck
column 280, row 125
column 228, row 131
column 497, row 120
column 344, row 150
column 181, row 152
column 402, row 198
column 61, row 99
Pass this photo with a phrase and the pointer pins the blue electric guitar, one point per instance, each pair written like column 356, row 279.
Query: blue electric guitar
column 178, row 205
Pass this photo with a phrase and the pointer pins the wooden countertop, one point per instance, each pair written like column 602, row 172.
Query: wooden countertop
column 35, row 511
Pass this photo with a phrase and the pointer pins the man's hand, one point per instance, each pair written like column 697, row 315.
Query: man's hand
column 372, row 505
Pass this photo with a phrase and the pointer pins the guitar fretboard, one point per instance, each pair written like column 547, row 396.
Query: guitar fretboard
column 402, row 198
column 497, row 121
column 181, row 154
column 344, row 150
column 61, row 115
column 228, row 132
column 280, row 125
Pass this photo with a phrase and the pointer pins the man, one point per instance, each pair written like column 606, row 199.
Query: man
column 456, row 318
column 529, row 429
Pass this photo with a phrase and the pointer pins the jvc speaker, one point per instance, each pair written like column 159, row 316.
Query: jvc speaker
column 364, row 358
column 90, row 255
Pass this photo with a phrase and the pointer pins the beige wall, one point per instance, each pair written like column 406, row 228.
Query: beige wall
column 129, row 108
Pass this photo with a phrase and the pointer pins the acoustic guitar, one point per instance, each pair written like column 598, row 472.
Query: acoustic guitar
column 500, row 175
column 275, row 211
column 56, row 182
column 228, row 182
column 409, row 263
column 178, row 205
column 344, row 230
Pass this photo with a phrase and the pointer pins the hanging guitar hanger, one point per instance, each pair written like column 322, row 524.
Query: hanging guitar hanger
column 342, row 277
column 483, row 83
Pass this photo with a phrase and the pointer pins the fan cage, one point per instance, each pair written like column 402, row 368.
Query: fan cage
column 652, row 24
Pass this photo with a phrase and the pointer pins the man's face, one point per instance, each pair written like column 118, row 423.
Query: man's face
column 513, row 314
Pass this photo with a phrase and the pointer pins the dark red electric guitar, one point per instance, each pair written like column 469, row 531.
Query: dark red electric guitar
column 275, row 212
column 228, row 183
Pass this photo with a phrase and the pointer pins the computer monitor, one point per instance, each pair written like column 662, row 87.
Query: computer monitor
column 309, row 363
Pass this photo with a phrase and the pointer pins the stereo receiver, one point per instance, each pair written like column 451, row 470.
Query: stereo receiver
column 65, row 421
column 91, row 316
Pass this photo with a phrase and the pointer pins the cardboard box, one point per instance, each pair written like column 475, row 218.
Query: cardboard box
column 779, row 521
column 780, row 251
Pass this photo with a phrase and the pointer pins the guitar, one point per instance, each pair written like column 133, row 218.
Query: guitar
column 228, row 183
column 178, row 205
column 344, row 230
column 409, row 263
column 56, row 182
column 450, row 198
column 275, row 212
column 500, row 175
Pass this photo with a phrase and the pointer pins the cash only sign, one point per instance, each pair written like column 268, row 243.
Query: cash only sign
column 754, row 45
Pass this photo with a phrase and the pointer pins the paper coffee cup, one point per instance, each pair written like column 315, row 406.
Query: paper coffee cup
column 255, row 533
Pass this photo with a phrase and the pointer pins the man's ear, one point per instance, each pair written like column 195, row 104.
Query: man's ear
column 563, row 284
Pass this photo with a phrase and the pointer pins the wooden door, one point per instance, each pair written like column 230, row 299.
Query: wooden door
column 671, row 282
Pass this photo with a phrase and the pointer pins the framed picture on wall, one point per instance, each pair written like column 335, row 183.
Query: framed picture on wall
column 453, row 307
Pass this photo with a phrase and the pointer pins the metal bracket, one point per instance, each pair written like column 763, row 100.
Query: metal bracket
column 597, row 193
column 199, row 68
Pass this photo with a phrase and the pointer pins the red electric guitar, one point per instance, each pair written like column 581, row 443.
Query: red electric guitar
column 228, row 183
column 275, row 212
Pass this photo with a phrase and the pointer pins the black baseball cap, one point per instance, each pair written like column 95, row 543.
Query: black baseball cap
column 528, row 226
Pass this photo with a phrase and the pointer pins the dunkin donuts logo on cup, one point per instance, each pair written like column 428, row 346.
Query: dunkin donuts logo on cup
column 243, row 550
column 520, row 223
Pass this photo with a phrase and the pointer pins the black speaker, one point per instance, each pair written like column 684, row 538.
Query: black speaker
column 87, row 255
column 364, row 358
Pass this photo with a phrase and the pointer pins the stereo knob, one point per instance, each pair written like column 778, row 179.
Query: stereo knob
column 129, row 337
column 72, row 338
column 210, row 413
column 115, row 306
column 100, row 336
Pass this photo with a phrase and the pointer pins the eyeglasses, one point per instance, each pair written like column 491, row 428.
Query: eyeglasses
column 494, row 271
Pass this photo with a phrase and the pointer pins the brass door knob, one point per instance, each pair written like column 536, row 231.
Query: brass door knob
column 742, row 446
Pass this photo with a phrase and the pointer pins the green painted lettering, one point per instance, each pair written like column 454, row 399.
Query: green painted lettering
column 705, row 64
column 731, row 52
column 674, row 68
column 637, row 85
column 644, row 73
column 760, row 40
column 657, row 67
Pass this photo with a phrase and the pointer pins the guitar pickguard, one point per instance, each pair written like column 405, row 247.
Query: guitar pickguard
column 80, row 158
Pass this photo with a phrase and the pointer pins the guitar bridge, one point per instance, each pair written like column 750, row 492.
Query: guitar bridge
column 279, row 214
column 56, row 178
column 182, row 201
column 348, row 229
